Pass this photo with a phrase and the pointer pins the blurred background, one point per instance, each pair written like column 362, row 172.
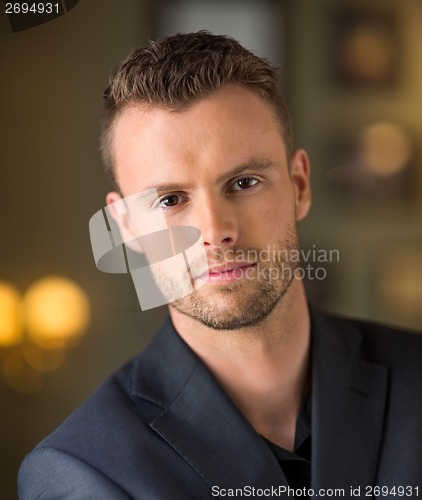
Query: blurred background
column 352, row 76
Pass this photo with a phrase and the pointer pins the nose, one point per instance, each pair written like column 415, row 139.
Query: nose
column 217, row 220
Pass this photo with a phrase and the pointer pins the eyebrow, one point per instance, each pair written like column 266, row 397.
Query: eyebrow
column 256, row 165
column 253, row 164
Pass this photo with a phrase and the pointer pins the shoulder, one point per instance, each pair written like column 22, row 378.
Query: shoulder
column 379, row 342
column 111, row 432
column 109, row 412
column 111, row 422
column 50, row 473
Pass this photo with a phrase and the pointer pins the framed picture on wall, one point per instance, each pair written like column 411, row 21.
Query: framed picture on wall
column 364, row 46
column 375, row 161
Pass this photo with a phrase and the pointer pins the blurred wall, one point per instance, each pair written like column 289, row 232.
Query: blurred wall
column 378, row 228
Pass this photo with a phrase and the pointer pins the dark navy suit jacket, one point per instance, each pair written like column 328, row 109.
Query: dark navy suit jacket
column 162, row 428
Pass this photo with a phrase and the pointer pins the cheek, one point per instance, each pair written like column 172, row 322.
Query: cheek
column 267, row 221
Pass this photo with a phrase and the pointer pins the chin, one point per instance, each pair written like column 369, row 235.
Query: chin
column 230, row 307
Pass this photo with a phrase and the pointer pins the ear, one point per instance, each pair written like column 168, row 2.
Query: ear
column 120, row 213
column 300, row 170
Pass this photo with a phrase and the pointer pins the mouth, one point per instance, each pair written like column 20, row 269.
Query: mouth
column 228, row 273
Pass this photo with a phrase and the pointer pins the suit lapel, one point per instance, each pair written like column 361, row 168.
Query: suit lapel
column 348, row 401
column 202, row 424
column 199, row 420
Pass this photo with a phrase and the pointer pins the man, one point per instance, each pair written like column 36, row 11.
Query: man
column 245, row 391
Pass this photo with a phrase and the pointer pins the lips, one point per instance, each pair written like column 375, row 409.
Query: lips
column 228, row 272
column 227, row 268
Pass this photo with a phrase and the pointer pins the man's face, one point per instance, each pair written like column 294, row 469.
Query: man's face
column 220, row 166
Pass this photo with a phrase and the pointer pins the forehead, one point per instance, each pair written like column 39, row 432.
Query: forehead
column 231, row 126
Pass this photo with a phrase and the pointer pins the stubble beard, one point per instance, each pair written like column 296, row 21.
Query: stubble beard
column 248, row 302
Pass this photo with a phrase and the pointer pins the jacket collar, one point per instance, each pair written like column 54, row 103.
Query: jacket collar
column 348, row 404
column 199, row 420
column 202, row 424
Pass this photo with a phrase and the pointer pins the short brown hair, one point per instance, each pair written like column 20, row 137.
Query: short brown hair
column 179, row 70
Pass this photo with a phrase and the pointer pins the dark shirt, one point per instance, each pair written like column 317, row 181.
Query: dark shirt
column 296, row 464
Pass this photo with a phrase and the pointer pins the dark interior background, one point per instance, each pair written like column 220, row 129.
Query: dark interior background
column 52, row 78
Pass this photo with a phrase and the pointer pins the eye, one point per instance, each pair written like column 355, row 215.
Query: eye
column 244, row 183
column 170, row 201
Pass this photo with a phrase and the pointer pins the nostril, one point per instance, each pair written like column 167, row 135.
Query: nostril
column 228, row 240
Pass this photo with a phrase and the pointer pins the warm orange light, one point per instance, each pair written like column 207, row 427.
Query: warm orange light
column 57, row 310
column 385, row 148
column 11, row 324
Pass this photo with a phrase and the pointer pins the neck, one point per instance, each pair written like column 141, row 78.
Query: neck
column 264, row 369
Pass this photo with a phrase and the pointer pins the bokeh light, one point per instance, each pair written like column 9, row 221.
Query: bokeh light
column 385, row 148
column 57, row 311
column 11, row 322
